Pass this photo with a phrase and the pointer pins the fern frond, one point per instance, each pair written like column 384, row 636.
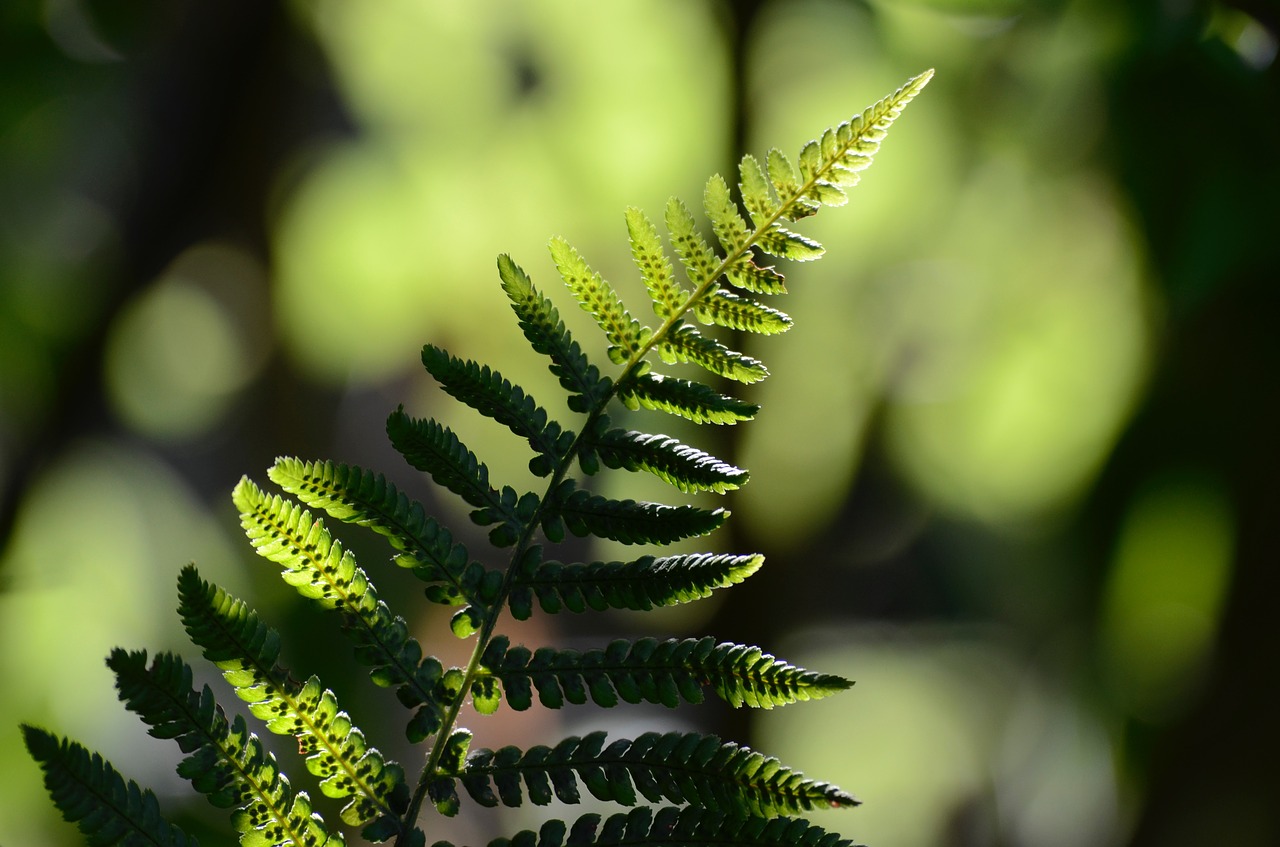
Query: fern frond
column 685, row 344
column 630, row 522
column 319, row 568
column 693, row 401
column 232, row 636
column 672, row 827
column 653, row 671
column 674, row 767
column 92, row 794
column 541, row 324
column 684, row 467
column 625, row 334
column 640, row 585
column 355, row 495
column 700, row 262
column 724, row 308
column 489, row 394
column 756, row 196
column 829, row 165
column 225, row 762
column 646, row 249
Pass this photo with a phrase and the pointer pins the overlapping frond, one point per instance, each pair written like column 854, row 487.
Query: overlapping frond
column 640, row 585
column 89, row 792
column 320, row 569
column 652, row 671
column 225, row 762
column 674, row 767
column 246, row 650
column 542, row 326
column 687, row 827
column 355, row 495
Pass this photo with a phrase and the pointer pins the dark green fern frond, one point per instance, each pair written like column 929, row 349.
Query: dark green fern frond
column 687, row 468
column 233, row 637
column 640, row 585
column 436, row 450
column 693, row 401
column 653, row 671
column 320, row 569
column 672, row 827
column 629, row 522
column 225, row 762
column 541, row 324
column 487, row 392
column 358, row 496
column 89, row 792
column 675, row 767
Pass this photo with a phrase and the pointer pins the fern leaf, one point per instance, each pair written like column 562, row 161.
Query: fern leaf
column 724, row 308
column 756, row 196
column 831, row 164
column 673, row 827
column 434, row 449
column 684, row 467
column 494, row 397
column 541, row 324
column 319, row 568
column 639, row 585
column 674, row 767
column 626, row 336
column 730, row 229
column 646, row 249
column 629, row 522
column 685, row 344
column 700, row 262
column 358, row 496
column 786, row 244
column 91, row 793
column 744, row 273
column 233, row 637
column 653, row 671
column 693, row 401
column 225, row 761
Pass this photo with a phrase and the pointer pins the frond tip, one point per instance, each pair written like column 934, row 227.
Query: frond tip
column 92, row 794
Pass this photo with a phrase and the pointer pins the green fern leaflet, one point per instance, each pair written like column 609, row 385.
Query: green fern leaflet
column 679, row 788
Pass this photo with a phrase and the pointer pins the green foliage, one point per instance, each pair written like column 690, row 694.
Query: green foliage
column 705, row 790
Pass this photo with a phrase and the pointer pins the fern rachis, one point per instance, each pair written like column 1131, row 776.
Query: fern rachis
column 728, row 793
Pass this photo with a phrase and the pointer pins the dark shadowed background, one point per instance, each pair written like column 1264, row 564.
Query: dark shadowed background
column 1016, row 469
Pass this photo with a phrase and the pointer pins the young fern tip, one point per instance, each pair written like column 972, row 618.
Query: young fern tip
column 686, row 788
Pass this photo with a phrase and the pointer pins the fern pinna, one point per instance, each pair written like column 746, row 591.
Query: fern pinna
column 702, row 790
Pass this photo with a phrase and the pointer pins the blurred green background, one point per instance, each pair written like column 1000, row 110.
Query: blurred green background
column 1016, row 468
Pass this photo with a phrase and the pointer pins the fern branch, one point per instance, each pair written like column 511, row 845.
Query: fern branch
column 639, row 585
column 629, row 522
column 319, row 568
column 690, row 400
column 675, row 767
column 89, row 792
column 225, row 761
column 246, row 650
column 653, row 671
